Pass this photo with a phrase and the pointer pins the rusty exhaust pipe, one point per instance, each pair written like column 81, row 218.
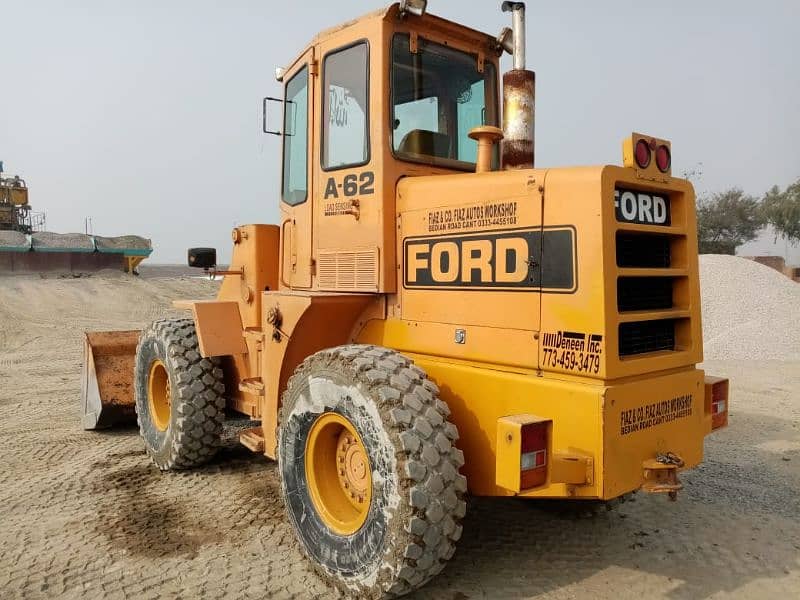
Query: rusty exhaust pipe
column 519, row 90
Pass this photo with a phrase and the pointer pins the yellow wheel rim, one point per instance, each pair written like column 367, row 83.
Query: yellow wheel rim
column 338, row 473
column 159, row 395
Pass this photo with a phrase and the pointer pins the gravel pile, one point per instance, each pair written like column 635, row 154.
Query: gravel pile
column 123, row 242
column 62, row 241
column 750, row 312
column 13, row 239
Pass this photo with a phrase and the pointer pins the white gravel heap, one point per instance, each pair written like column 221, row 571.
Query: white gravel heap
column 13, row 239
column 65, row 241
column 122, row 242
column 750, row 311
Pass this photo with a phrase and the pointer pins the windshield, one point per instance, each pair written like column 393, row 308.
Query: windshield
column 438, row 96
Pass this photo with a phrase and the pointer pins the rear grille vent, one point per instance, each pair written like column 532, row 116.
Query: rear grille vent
column 643, row 251
column 644, row 293
column 639, row 337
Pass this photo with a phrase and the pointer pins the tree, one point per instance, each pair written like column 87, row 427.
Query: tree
column 728, row 219
column 693, row 174
column 782, row 211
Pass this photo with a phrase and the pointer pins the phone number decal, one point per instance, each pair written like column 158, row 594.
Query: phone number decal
column 572, row 361
column 572, row 351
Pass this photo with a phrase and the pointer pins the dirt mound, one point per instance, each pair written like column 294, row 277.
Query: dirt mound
column 45, row 240
column 86, row 514
column 32, row 306
column 13, row 240
column 123, row 242
column 750, row 312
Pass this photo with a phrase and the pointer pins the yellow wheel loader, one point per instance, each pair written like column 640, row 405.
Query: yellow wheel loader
column 14, row 207
column 433, row 315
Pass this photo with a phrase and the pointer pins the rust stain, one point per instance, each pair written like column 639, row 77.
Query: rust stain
column 518, row 119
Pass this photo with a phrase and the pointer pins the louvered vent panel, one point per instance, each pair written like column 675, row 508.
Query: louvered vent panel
column 644, row 293
column 639, row 337
column 348, row 270
column 642, row 250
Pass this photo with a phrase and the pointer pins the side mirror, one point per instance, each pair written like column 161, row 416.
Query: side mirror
column 264, row 115
column 203, row 258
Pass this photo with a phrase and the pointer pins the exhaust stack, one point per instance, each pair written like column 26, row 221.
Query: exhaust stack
column 519, row 92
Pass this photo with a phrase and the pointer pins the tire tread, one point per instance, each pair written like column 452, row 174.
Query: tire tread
column 428, row 461
column 198, row 399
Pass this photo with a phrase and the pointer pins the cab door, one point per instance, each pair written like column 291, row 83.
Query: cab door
column 296, row 199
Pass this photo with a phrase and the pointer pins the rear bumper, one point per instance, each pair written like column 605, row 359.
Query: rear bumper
column 650, row 430
column 601, row 439
column 647, row 419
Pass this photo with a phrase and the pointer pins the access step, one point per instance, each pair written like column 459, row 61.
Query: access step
column 252, row 439
column 252, row 385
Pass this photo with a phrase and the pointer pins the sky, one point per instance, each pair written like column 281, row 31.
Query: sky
column 146, row 116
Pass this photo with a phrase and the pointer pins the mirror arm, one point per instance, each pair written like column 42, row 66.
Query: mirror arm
column 213, row 272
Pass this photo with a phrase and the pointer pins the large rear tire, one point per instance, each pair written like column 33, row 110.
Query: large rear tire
column 369, row 470
column 180, row 406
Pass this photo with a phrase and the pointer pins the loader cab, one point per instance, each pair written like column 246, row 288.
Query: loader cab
column 387, row 96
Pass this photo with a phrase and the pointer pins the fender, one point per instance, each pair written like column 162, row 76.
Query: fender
column 230, row 326
column 296, row 325
column 259, row 361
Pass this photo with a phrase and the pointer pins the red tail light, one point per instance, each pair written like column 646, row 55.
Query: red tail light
column 642, row 154
column 663, row 158
column 717, row 401
column 719, row 404
column 533, row 455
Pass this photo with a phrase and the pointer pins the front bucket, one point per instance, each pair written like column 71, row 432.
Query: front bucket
column 107, row 378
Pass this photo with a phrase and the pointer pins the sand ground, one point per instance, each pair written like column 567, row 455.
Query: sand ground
column 85, row 514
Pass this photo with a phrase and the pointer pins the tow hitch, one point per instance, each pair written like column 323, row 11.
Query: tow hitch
column 661, row 475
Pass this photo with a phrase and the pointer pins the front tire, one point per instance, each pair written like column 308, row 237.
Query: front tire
column 180, row 406
column 359, row 405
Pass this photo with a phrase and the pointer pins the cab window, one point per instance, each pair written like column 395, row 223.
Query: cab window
column 438, row 96
column 295, row 139
column 345, row 136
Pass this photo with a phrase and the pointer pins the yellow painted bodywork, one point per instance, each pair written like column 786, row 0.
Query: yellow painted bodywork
column 585, row 415
column 13, row 197
column 219, row 327
column 131, row 262
column 500, row 366
column 313, row 235
column 256, row 255
column 307, row 323
column 320, row 280
column 13, row 194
